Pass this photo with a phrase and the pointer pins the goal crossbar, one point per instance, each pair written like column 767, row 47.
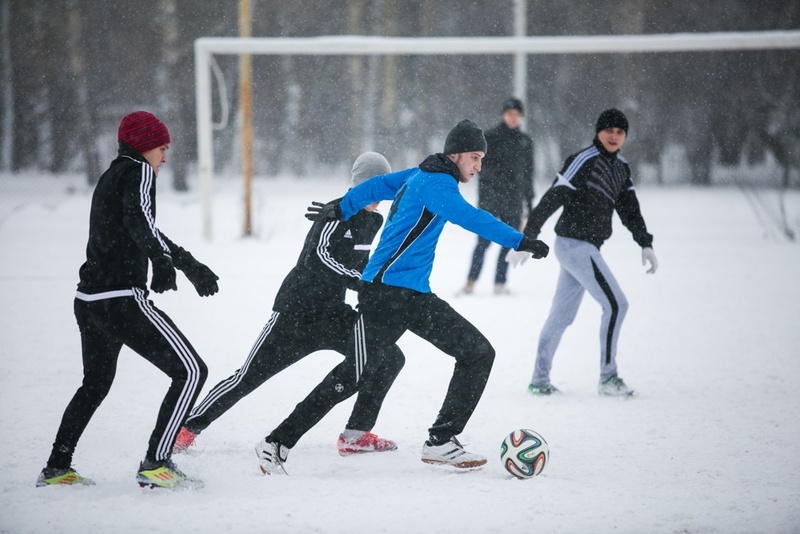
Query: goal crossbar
column 205, row 47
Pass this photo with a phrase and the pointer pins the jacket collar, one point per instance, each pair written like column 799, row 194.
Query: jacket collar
column 440, row 163
column 599, row 146
column 127, row 150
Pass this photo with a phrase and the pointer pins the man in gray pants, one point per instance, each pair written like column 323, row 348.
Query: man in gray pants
column 592, row 185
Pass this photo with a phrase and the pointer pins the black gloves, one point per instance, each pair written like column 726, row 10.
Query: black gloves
column 538, row 249
column 318, row 211
column 163, row 274
column 202, row 278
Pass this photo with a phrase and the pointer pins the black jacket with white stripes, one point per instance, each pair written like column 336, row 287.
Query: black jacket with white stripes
column 122, row 229
column 592, row 185
column 334, row 255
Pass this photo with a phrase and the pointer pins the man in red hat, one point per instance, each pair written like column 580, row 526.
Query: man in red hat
column 112, row 308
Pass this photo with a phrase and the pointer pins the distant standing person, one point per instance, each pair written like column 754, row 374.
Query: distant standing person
column 592, row 185
column 505, row 187
column 310, row 314
column 397, row 297
column 112, row 308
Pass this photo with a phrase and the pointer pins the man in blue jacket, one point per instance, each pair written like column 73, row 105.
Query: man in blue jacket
column 396, row 296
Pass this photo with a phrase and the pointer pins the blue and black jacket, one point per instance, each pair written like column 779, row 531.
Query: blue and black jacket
column 425, row 198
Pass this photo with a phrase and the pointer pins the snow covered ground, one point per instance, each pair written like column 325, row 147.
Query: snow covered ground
column 711, row 343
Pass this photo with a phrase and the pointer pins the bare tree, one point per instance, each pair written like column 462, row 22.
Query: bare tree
column 7, row 89
column 169, row 90
column 77, row 64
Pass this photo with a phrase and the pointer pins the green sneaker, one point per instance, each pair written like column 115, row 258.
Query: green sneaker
column 164, row 474
column 51, row 476
column 540, row 391
column 614, row 387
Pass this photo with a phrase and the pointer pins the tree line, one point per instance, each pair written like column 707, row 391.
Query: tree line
column 71, row 69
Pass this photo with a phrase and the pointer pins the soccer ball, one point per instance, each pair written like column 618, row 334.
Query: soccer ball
column 524, row 453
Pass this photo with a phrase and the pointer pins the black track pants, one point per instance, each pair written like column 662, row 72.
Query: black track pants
column 386, row 312
column 340, row 384
column 285, row 340
column 105, row 326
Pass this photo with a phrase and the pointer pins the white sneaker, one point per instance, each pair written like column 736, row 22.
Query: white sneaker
column 468, row 288
column 271, row 457
column 614, row 387
column 451, row 453
column 501, row 289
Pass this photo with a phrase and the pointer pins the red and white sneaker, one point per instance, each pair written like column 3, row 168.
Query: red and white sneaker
column 184, row 440
column 369, row 442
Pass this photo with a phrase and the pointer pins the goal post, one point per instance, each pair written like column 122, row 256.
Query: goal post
column 205, row 47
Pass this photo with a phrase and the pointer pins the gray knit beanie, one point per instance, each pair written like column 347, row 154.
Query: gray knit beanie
column 466, row 136
column 367, row 165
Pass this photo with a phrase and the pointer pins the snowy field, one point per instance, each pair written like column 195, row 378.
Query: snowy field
column 711, row 343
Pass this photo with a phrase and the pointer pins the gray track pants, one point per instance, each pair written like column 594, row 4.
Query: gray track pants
column 582, row 269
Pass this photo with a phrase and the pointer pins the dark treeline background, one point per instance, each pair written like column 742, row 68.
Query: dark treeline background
column 72, row 68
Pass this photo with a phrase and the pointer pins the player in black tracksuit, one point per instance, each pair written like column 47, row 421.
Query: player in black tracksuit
column 593, row 184
column 112, row 307
column 310, row 314
column 505, row 186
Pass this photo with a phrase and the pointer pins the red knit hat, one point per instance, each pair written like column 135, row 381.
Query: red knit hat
column 142, row 131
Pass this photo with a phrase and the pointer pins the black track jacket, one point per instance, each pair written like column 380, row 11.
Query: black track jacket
column 592, row 184
column 334, row 255
column 122, row 228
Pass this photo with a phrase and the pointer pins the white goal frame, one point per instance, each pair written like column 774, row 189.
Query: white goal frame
column 205, row 47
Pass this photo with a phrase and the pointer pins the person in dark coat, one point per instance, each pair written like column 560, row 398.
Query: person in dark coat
column 112, row 306
column 505, row 187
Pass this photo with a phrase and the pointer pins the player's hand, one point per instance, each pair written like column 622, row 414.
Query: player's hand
column 517, row 257
column 318, row 211
column 203, row 279
column 649, row 256
column 163, row 274
column 538, row 249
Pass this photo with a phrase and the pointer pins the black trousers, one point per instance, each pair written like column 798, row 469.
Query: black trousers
column 285, row 340
column 105, row 326
column 387, row 312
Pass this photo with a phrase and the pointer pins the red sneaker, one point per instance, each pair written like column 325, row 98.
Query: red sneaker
column 184, row 440
column 369, row 442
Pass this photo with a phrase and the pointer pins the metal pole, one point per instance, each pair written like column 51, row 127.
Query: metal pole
column 520, row 58
column 246, row 102
column 205, row 155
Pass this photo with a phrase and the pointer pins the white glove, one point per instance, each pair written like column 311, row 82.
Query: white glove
column 517, row 257
column 649, row 256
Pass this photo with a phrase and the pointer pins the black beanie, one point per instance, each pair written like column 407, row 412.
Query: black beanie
column 465, row 136
column 612, row 118
column 513, row 103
